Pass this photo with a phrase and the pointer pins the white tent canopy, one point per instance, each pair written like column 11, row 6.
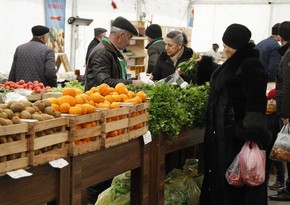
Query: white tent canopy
column 210, row 20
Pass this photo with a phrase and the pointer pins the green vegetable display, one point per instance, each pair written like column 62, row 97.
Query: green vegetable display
column 70, row 84
column 189, row 66
column 172, row 107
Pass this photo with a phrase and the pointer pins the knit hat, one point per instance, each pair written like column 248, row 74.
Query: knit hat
column 236, row 36
column 39, row 30
column 271, row 94
column 275, row 29
column 98, row 31
column 154, row 31
column 121, row 22
column 284, row 30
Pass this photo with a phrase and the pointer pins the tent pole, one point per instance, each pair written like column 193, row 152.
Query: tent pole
column 74, row 36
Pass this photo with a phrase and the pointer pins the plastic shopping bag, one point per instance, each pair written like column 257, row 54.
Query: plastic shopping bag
column 281, row 148
column 174, row 78
column 233, row 174
column 252, row 162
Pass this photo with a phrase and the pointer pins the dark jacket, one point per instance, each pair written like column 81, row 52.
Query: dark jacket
column 283, row 83
column 269, row 56
column 165, row 66
column 154, row 49
column 34, row 61
column 104, row 67
column 91, row 46
column 235, row 113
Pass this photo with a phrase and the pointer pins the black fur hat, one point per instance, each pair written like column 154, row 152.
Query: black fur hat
column 236, row 36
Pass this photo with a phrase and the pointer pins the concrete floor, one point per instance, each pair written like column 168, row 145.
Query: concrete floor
column 270, row 192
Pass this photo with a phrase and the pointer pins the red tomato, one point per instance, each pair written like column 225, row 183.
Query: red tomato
column 21, row 82
column 40, row 85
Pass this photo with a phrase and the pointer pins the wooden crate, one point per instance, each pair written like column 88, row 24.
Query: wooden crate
column 78, row 137
column 138, row 119
column 47, row 140
column 34, row 97
column 51, row 95
column 16, row 151
column 115, row 126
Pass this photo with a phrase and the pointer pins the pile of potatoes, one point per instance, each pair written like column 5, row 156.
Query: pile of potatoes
column 12, row 112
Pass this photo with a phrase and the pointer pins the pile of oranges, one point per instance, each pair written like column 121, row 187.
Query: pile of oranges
column 74, row 101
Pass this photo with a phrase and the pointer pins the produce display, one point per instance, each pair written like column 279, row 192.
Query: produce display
column 35, row 86
column 173, row 107
column 75, row 101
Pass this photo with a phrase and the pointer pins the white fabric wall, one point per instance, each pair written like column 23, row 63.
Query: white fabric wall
column 210, row 20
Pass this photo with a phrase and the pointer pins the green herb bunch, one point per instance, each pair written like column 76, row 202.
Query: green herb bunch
column 190, row 65
column 172, row 107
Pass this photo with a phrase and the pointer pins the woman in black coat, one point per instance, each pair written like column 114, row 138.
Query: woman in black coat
column 235, row 114
column 175, row 52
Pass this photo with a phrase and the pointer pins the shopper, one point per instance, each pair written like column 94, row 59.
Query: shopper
column 34, row 61
column 269, row 55
column 99, row 34
column 214, row 52
column 175, row 52
column 155, row 46
column 106, row 64
column 274, row 127
column 283, row 96
column 235, row 113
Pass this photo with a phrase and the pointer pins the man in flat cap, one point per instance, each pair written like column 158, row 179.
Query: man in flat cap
column 106, row 63
column 34, row 61
column 99, row 34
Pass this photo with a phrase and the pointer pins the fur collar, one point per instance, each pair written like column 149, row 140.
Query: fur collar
column 228, row 71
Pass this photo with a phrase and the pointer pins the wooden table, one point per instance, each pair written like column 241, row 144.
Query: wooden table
column 96, row 167
column 45, row 185
column 161, row 145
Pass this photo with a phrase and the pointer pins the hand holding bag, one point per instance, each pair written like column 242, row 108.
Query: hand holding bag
column 281, row 148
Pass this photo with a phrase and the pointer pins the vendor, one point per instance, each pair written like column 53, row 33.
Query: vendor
column 175, row 52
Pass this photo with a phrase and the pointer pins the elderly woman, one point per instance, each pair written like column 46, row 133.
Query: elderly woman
column 235, row 113
column 175, row 52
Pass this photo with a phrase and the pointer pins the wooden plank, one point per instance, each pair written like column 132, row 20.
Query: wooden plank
column 13, row 147
column 13, row 129
column 13, row 165
column 46, row 157
column 48, row 140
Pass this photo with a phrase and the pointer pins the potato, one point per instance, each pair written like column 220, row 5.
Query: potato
column 17, row 107
column 25, row 115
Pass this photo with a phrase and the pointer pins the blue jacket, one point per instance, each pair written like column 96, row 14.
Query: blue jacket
column 269, row 56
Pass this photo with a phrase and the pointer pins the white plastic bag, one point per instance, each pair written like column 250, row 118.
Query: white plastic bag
column 281, row 148
column 233, row 174
column 174, row 78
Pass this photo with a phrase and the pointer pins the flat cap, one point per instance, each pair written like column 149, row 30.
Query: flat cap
column 39, row 30
column 121, row 22
column 98, row 31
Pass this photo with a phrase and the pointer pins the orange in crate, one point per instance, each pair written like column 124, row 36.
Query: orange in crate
column 69, row 91
column 121, row 88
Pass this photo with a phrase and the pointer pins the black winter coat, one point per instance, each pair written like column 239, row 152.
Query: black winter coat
column 91, row 46
column 283, row 83
column 104, row 67
column 235, row 113
column 165, row 66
